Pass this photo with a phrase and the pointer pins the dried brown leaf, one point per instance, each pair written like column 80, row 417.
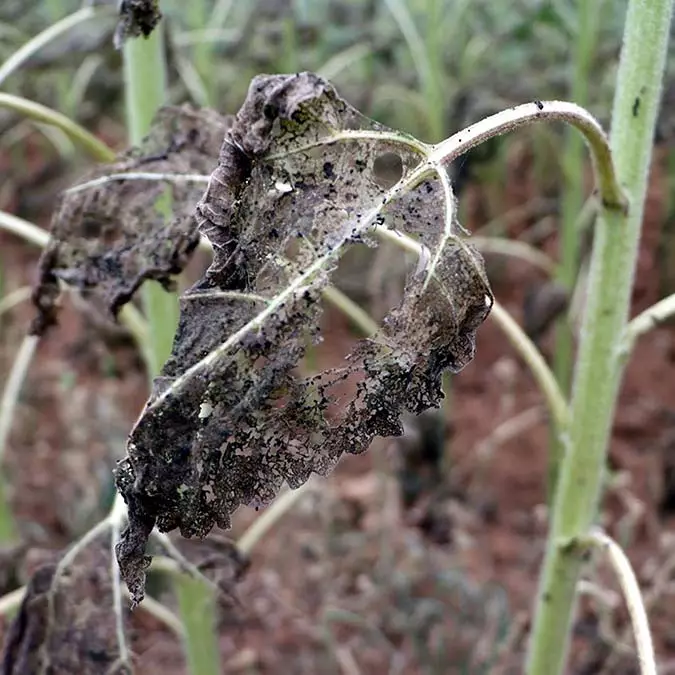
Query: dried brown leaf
column 137, row 17
column 230, row 419
column 77, row 633
column 106, row 240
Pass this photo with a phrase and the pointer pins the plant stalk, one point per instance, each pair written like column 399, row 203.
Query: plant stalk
column 54, row 31
column 8, row 403
column 573, row 164
column 573, row 197
column 599, row 364
column 653, row 316
column 631, row 592
column 146, row 85
column 40, row 113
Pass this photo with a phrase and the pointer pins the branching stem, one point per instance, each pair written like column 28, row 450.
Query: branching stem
column 22, row 228
column 599, row 364
column 652, row 317
column 631, row 591
column 14, row 298
column 270, row 516
column 611, row 194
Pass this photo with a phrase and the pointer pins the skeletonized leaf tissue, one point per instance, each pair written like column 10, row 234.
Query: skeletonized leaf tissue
column 301, row 176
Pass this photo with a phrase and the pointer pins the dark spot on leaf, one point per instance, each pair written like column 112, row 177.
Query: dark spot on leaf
column 90, row 228
column 270, row 111
column 636, row 106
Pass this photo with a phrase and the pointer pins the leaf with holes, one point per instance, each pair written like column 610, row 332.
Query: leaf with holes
column 65, row 623
column 109, row 237
column 301, row 176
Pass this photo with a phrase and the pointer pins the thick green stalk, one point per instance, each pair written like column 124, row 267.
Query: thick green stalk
column 599, row 364
column 572, row 202
column 573, row 168
column 197, row 612
column 146, row 84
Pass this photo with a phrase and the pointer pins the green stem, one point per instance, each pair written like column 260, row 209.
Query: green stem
column 202, row 53
column 145, row 81
column 146, row 85
column 40, row 113
column 268, row 518
column 515, row 249
column 653, row 316
column 573, row 195
column 631, row 592
column 35, row 44
column 8, row 403
column 572, row 203
column 197, row 612
column 22, row 228
column 14, row 298
column 434, row 94
column 527, row 350
column 355, row 313
column 599, row 363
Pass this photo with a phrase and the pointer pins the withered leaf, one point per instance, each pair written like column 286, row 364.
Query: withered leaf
column 66, row 625
column 230, row 419
column 106, row 240
column 137, row 17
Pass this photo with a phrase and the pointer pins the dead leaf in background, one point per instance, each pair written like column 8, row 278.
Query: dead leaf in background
column 229, row 419
column 542, row 306
column 137, row 17
column 77, row 635
column 106, row 240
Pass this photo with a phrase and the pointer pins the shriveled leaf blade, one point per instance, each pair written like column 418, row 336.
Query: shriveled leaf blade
column 230, row 419
column 136, row 18
column 107, row 239
column 66, row 624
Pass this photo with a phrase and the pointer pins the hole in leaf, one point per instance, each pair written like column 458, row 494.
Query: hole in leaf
column 374, row 277
column 387, row 169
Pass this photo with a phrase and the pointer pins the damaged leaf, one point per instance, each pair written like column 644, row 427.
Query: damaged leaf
column 107, row 239
column 230, row 419
column 137, row 17
column 66, row 625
